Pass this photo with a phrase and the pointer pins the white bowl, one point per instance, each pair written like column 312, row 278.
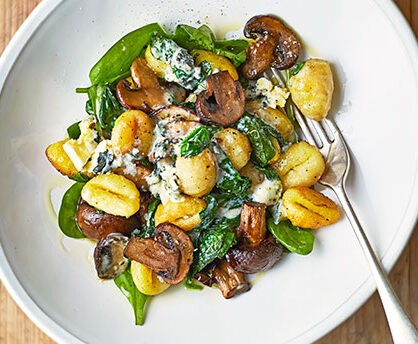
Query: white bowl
column 374, row 57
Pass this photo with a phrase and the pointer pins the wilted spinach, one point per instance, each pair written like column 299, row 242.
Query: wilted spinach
column 79, row 177
column 212, row 243
column 148, row 230
column 295, row 239
column 259, row 136
column 115, row 63
column 67, row 212
column 73, row 131
column 268, row 171
column 297, row 67
column 230, row 180
column 127, row 286
column 203, row 38
column 198, row 140
column 105, row 107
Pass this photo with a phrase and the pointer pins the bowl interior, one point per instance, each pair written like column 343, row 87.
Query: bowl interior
column 301, row 297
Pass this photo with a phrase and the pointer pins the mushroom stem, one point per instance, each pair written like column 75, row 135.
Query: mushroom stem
column 229, row 281
column 253, row 222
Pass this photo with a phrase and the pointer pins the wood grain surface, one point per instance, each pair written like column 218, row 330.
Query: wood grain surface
column 367, row 325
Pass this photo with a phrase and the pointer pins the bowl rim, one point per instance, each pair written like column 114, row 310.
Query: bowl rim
column 41, row 318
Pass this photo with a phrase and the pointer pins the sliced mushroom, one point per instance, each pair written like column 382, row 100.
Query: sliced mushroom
column 276, row 46
column 253, row 222
column 108, row 256
column 169, row 254
column 146, row 93
column 229, row 281
column 98, row 225
column 222, row 102
column 250, row 259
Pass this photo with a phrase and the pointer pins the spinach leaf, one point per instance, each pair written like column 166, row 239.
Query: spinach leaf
column 198, row 140
column 296, row 69
column 127, row 286
column 79, row 177
column 181, row 62
column 203, row 38
column 148, row 230
column 68, row 209
column 73, row 131
column 259, row 134
column 230, row 180
column 105, row 107
column 208, row 214
column 235, row 50
column 194, row 38
column 115, row 63
column 268, row 171
column 213, row 243
column 295, row 239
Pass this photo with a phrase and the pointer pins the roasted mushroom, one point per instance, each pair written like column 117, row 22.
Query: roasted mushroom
column 276, row 46
column 96, row 225
column 253, row 222
column 250, row 259
column 222, row 102
column 169, row 254
column 229, row 281
column 146, row 93
column 108, row 256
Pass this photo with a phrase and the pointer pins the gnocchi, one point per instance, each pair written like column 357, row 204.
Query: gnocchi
column 312, row 88
column 235, row 145
column 301, row 165
column 146, row 280
column 184, row 214
column 113, row 194
column 274, row 117
column 216, row 61
column 197, row 174
column 59, row 159
column 133, row 129
column 308, row 208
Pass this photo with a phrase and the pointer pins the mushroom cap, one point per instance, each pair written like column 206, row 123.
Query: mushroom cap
column 98, row 225
column 250, row 259
column 276, row 46
column 223, row 101
column 169, row 254
column 108, row 256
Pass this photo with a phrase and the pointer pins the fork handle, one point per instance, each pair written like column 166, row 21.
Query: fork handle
column 402, row 329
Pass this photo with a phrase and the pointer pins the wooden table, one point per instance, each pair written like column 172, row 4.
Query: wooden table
column 368, row 325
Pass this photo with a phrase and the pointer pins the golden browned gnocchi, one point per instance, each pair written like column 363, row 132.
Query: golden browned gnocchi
column 147, row 280
column 216, row 61
column 311, row 89
column 308, row 208
column 133, row 129
column 235, row 145
column 113, row 194
column 184, row 213
column 301, row 165
column 59, row 159
column 197, row 174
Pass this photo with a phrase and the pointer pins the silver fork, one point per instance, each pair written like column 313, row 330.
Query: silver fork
column 327, row 137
